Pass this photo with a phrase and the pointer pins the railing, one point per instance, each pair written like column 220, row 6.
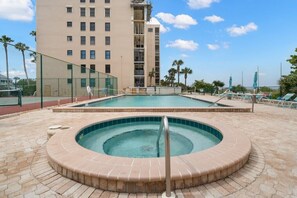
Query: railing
column 164, row 125
column 224, row 95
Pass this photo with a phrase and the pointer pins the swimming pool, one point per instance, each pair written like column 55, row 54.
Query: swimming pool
column 159, row 103
column 148, row 101
column 137, row 136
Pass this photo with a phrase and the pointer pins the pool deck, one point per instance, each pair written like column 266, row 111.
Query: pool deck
column 270, row 172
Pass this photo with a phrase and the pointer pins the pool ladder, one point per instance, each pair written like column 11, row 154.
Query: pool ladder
column 165, row 126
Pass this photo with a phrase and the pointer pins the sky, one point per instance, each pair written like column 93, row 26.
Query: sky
column 215, row 38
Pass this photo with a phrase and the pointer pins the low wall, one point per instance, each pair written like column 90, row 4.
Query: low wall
column 152, row 90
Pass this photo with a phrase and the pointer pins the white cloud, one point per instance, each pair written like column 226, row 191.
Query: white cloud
column 213, row 19
column 199, row 4
column 183, row 44
column 155, row 21
column 181, row 21
column 16, row 10
column 184, row 55
column 14, row 73
column 241, row 30
column 213, row 46
column 19, row 71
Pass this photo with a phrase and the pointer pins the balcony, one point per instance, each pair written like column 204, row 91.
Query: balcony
column 139, row 72
column 143, row 3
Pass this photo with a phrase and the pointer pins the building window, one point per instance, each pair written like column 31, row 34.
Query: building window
column 69, row 38
column 157, row 30
column 83, row 54
column 69, row 52
column 83, row 82
column 92, row 12
column 92, row 68
column 107, row 1
column 92, row 82
column 69, row 81
column 92, row 26
column 69, row 9
column 82, row 12
column 107, row 12
column 82, row 40
column 92, row 1
column 107, row 55
column 83, row 26
column 92, row 40
column 69, row 66
column 92, row 54
column 107, row 27
column 107, row 69
column 107, row 40
column 150, row 30
column 82, row 69
column 69, row 23
column 83, row 1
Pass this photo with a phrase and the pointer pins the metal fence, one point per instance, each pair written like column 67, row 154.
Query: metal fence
column 45, row 80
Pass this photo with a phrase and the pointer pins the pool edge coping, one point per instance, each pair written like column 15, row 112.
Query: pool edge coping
column 225, row 108
column 218, row 162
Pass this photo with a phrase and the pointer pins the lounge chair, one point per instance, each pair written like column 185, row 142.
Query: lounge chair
column 285, row 98
column 280, row 101
column 290, row 104
column 293, row 103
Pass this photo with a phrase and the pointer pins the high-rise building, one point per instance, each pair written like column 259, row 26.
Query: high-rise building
column 109, row 36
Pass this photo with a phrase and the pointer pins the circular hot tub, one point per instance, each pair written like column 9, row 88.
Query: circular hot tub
column 137, row 137
column 120, row 154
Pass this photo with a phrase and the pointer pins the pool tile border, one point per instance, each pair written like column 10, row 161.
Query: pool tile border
column 151, row 109
column 146, row 175
column 133, row 119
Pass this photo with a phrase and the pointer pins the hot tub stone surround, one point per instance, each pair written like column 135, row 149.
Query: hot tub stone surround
column 146, row 175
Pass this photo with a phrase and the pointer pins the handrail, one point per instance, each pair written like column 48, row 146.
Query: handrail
column 224, row 95
column 164, row 125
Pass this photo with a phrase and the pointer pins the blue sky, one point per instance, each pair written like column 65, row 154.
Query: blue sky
column 215, row 38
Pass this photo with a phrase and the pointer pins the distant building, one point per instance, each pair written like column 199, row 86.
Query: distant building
column 3, row 82
column 109, row 36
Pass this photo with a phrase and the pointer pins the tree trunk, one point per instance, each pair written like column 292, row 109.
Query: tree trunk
column 25, row 69
column 7, row 71
column 178, row 75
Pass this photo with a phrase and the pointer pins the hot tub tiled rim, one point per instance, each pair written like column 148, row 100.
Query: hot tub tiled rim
column 66, row 157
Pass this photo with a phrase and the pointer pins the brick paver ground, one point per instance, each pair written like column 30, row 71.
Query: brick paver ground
column 270, row 172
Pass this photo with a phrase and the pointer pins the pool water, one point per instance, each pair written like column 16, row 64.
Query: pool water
column 138, row 138
column 142, row 143
column 149, row 101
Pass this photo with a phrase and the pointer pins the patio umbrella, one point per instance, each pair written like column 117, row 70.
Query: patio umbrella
column 230, row 83
column 255, row 85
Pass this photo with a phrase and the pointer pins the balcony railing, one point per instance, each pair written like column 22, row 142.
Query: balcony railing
column 138, row 72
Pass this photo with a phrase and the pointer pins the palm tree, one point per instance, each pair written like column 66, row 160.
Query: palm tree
column 218, row 84
column 5, row 40
column 33, row 33
column 33, row 56
column 166, row 81
column 151, row 75
column 15, row 81
column 177, row 64
column 22, row 47
column 185, row 72
column 172, row 73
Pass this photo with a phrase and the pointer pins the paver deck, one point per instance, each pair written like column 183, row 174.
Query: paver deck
column 270, row 172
